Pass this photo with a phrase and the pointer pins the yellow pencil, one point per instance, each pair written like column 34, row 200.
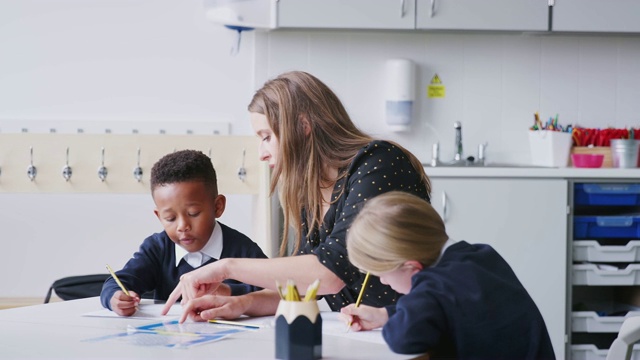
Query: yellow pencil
column 115, row 277
column 292, row 291
column 364, row 285
column 312, row 290
column 279, row 289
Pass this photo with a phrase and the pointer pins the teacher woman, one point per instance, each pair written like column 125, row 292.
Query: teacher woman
column 324, row 170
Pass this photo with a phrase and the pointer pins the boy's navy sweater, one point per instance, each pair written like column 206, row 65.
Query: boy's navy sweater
column 153, row 266
column 470, row 305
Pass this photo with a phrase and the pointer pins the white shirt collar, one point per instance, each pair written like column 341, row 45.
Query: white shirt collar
column 212, row 249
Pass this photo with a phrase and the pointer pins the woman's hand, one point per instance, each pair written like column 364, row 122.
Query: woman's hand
column 364, row 317
column 209, row 307
column 202, row 281
column 123, row 304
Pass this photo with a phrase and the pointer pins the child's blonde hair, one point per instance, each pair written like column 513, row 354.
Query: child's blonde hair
column 392, row 228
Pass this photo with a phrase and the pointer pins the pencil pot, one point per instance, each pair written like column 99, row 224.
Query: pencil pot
column 298, row 330
column 550, row 148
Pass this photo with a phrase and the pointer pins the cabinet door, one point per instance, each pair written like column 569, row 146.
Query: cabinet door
column 522, row 15
column 346, row 14
column 596, row 15
column 525, row 220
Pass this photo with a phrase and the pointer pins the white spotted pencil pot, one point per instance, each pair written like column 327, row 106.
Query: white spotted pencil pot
column 298, row 330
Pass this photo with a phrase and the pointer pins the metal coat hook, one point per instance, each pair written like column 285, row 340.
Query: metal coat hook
column 31, row 170
column 66, row 170
column 242, row 172
column 102, row 170
column 137, row 171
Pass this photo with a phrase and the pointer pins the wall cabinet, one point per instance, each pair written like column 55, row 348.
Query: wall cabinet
column 524, row 15
column 525, row 220
column 352, row 14
column 616, row 16
column 596, row 16
column 309, row 14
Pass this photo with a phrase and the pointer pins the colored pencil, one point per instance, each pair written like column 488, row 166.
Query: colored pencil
column 364, row 285
column 115, row 277
column 312, row 290
column 235, row 323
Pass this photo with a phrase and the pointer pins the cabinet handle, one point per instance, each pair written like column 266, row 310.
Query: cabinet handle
column 433, row 8
column 402, row 11
column 445, row 214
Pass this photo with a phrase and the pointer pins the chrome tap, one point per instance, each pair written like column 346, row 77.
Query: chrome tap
column 435, row 154
column 458, row 146
column 482, row 150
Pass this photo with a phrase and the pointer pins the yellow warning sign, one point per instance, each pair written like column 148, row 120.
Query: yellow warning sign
column 435, row 88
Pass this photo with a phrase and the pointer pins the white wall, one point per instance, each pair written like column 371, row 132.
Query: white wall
column 494, row 82
column 107, row 61
column 119, row 60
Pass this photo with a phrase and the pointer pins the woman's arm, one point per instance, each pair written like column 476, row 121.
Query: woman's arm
column 302, row 269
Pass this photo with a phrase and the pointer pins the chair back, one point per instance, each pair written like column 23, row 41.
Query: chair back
column 629, row 334
column 77, row 287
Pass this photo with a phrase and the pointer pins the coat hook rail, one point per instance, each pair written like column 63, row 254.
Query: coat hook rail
column 45, row 152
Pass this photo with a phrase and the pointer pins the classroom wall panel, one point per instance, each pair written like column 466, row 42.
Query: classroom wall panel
column 56, row 227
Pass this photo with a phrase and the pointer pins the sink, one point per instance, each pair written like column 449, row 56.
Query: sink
column 509, row 165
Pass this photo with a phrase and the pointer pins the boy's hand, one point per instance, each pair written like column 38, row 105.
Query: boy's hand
column 364, row 317
column 125, row 305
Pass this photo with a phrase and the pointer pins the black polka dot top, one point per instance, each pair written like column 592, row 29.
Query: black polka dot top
column 377, row 168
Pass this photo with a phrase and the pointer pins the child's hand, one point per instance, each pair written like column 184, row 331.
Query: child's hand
column 364, row 317
column 125, row 305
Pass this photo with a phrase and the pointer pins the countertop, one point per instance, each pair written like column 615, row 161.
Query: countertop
column 533, row 172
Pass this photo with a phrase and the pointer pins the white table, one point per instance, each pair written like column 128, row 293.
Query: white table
column 57, row 331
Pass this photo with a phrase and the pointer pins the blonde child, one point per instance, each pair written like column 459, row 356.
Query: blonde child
column 462, row 300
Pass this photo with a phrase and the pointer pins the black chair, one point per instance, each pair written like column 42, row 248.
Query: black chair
column 77, row 287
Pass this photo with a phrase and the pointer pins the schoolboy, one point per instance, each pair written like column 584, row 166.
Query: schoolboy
column 185, row 192
column 462, row 300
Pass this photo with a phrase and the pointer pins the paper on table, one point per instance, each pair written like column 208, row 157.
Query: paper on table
column 331, row 325
column 145, row 311
column 169, row 334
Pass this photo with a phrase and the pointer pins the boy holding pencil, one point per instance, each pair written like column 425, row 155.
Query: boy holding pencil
column 185, row 192
column 462, row 300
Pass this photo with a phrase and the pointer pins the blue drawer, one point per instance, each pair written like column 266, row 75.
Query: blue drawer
column 607, row 194
column 606, row 227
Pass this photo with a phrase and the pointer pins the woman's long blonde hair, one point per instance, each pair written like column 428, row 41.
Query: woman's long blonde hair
column 393, row 228
column 296, row 103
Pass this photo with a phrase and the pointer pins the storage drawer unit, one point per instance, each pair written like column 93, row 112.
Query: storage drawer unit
column 591, row 274
column 606, row 227
column 593, row 251
column 605, row 266
column 591, row 352
column 607, row 194
column 590, row 321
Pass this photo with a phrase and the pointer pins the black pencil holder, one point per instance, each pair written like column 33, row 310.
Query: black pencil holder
column 298, row 330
